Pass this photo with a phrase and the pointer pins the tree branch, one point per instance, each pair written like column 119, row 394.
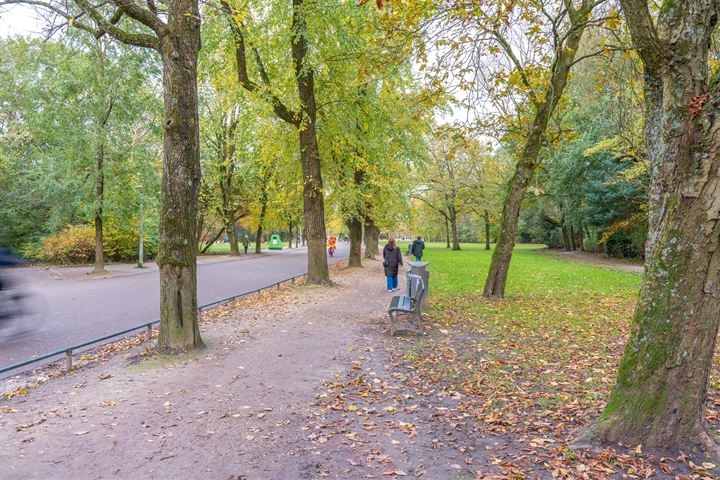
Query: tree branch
column 242, row 72
column 105, row 26
column 644, row 34
column 142, row 15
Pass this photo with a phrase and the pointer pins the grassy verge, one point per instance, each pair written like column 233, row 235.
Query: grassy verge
column 224, row 249
column 539, row 364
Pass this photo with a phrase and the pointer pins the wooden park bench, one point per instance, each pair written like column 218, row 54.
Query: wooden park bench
column 405, row 313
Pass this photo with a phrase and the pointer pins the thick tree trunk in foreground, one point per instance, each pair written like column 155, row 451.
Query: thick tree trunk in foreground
column 371, row 239
column 529, row 158
column 486, row 218
column 179, row 48
column 661, row 391
column 355, row 228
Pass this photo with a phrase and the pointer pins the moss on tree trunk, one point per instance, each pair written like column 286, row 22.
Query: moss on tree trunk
column 179, row 48
column 661, row 389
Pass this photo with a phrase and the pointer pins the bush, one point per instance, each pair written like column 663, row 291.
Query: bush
column 74, row 244
column 621, row 245
column 122, row 244
column 553, row 238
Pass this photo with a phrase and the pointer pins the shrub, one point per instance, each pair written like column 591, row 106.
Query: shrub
column 76, row 245
column 122, row 244
column 621, row 245
column 72, row 245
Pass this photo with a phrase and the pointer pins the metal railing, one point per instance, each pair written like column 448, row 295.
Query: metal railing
column 68, row 351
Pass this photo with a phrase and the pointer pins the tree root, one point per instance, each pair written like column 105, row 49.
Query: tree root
column 710, row 444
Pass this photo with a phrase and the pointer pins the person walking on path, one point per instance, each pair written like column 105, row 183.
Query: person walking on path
column 246, row 243
column 392, row 259
column 417, row 249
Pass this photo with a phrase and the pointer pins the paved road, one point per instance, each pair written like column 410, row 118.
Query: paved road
column 76, row 307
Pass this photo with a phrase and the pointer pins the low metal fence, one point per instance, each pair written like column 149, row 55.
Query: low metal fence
column 68, row 351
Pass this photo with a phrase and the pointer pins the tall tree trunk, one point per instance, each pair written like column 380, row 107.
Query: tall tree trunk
column 371, row 239
column 314, row 204
column 486, row 217
column 303, row 120
column 99, row 203
column 355, row 228
column 565, row 237
column 232, row 235
column 453, row 228
column 290, row 235
column 314, row 207
column 660, row 396
column 103, row 116
column 447, row 232
column 141, row 239
column 571, row 236
column 179, row 48
column 261, row 221
column 529, row 158
column 226, row 154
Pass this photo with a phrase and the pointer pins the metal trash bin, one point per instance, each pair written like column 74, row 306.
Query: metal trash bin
column 419, row 269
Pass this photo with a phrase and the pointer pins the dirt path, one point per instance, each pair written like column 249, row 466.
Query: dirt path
column 595, row 259
column 238, row 409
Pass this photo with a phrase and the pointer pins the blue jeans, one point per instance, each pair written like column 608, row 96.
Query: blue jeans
column 392, row 282
column 417, row 259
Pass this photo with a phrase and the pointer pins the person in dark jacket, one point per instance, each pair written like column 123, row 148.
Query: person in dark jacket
column 392, row 259
column 417, row 249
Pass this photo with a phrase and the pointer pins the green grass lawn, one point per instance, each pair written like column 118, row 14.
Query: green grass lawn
column 463, row 272
column 224, row 248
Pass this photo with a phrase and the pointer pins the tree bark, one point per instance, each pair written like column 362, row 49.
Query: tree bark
column 304, row 121
column 486, row 218
column 179, row 47
column 661, row 390
column 99, row 203
column 355, row 228
column 141, row 238
column 447, row 232
column 232, row 235
column 314, row 206
column 529, row 157
column 261, row 221
column 565, row 237
column 313, row 201
column 371, row 239
column 453, row 227
column 103, row 116
column 290, row 235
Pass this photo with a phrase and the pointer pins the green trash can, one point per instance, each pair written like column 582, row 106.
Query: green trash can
column 275, row 243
